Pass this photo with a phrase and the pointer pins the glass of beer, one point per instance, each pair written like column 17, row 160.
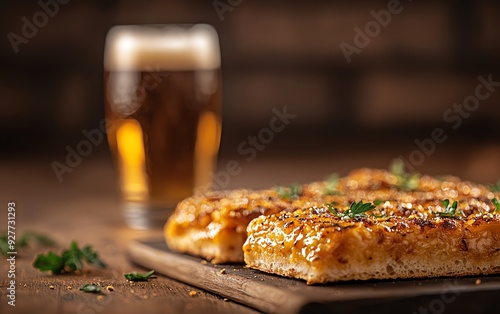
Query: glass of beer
column 163, row 107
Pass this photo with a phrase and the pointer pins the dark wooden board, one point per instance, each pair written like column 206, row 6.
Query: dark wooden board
column 276, row 294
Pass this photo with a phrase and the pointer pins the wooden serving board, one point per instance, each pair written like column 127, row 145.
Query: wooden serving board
column 276, row 294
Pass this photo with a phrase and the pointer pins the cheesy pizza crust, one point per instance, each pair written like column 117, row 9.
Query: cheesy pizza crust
column 317, row 246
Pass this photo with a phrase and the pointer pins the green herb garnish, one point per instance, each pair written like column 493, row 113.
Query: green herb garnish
column 291, row 192
column 450, row 211
column 69, row 261
column 31, row 236
column 496, row 202
column 355, row 210
column 134, row 276
column 23, row 241
column 331, row 185
column 405, row 181
column 92, row 288
column 495, row 187
column 376, row 203
column 4, row 244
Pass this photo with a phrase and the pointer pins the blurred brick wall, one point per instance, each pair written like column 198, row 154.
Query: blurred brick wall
column 274, row 54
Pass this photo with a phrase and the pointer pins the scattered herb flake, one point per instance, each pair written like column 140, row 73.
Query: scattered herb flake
column 92, row 288
column 378, row 202
column 495, row 187
column 69, row 261
column 450, row 211
column 92, row 257
column 49, row 262
column 291, row 192
column 23, row 241
column 496, row 202
column 4, row 244
column 331, row 185
column 31, row 236
column 135, row 276
column 355, row 210
column 405, row 180
column 331, row 208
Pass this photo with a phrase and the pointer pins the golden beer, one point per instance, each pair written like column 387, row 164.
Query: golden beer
column 163, row 100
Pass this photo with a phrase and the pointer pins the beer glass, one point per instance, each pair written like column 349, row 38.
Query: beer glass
column 163, row 100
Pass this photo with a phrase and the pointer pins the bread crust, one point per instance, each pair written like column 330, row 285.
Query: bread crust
column 317, row 246
column 213, row 225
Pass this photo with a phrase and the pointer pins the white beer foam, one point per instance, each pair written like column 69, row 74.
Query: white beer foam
column 161, row 47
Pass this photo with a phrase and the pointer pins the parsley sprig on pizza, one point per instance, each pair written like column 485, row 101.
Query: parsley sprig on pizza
column 355, row 210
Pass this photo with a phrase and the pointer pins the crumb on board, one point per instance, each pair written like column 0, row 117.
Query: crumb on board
column 145, row 297
column 192, row 293
column 222, row 271
column 204, row 262
column 110, row 288
column 69, row 287
column 100, row 297
column 225, row 299
column 51, row 287
column 478, row 282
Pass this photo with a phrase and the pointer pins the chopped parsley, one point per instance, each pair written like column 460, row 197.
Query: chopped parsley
column 135, row 276
column 495, row 187
column 31, row 236
column 450, row 211
column 291, row 192
column 92, row 288
column 405, row 180
column 496, row 202
column 25, row 239
column 69, row 261
column 355, row 210
column 331, row 185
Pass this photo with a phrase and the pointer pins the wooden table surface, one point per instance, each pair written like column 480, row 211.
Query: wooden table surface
column 85, row 207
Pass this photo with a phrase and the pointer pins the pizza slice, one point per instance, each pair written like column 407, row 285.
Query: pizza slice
column 213, row 225
column 364, row 241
